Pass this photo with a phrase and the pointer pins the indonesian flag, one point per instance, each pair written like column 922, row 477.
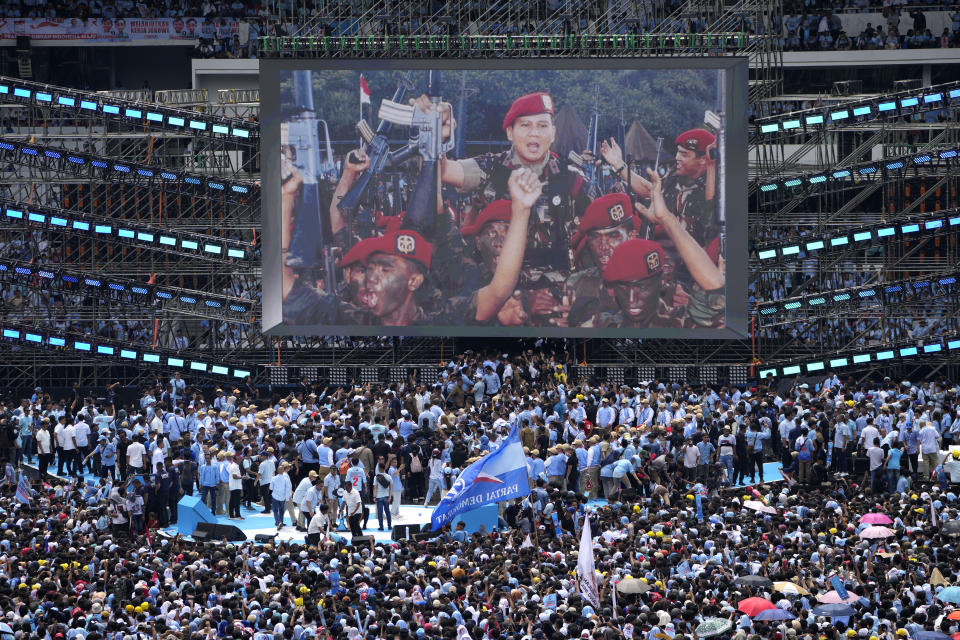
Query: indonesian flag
column 364, row 91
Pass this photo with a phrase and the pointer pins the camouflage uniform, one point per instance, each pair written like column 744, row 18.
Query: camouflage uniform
column 547, row 260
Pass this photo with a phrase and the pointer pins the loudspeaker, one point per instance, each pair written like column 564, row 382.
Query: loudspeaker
column 423, row 536
column 403, row 531
column 210, row 531
column 361, row 541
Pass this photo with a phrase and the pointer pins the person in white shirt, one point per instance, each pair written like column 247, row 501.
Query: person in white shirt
column 135, row 456
column 353, row 508
column 68, row 438
column 44, row 440
column 236, row 487
column 299, row 495
column 82, row 436
column 281, row 490
column 158, row 456
column 319, row 525
column 929, row 446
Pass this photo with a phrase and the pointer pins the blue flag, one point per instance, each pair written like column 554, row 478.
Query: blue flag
column 497, row 476
column 838, row 586
column 23, row 490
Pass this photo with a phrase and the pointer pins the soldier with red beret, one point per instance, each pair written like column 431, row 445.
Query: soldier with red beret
column 632, row 278
column 492, row 271
column 608, row 222
column 529, row 125
column 689, row 189
column 394, row 267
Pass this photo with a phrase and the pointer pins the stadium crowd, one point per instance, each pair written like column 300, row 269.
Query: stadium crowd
column 90, row 560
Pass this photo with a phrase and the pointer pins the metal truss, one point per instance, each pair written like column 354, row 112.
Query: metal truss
column 57, row 161
column 125, row 111
column 859, row 111
column 56, row 278
column 77, row 224
column 901, row 297
column 24, row 336
column 569, row 45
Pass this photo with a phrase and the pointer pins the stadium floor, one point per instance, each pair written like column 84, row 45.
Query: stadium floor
column 255, row 522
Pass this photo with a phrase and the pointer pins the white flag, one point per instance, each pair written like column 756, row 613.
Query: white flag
column 527, row 542
column 585, row 567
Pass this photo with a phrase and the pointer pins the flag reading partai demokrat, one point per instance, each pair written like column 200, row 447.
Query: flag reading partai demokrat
column 500, row 475
column 586, row 570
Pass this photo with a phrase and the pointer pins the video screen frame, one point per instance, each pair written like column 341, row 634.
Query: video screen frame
column 733, row 177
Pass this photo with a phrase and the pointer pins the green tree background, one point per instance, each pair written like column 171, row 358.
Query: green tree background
column 665, row 101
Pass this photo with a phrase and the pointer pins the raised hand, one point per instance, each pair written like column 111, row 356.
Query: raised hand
column 525, row 187
column 611, row 152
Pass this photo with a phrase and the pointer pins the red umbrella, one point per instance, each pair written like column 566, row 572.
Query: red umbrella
column 753, row 606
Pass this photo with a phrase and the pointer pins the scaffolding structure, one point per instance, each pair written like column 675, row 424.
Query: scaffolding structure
column 464, row 29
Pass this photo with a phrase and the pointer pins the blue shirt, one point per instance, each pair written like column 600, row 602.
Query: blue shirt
column 557, row 465
column 209, row 475
column 894, row 462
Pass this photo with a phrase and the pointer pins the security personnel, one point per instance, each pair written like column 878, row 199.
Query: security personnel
column 529, row 126
column 690, row 189
column 608, row 222
column 395, row 266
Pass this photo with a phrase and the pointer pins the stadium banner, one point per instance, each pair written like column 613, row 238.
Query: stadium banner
column 113, row 30
column 599, row 198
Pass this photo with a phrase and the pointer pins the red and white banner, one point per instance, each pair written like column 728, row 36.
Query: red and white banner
column 120, row 29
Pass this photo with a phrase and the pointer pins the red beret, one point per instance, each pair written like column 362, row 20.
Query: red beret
column 607, row 211
column 391, row 223
column 634, row 260
column 498, row 210
column 528, row 105
column 401, row 242
column 695, row 140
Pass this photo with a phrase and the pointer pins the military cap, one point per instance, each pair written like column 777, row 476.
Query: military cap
column 634, row 260
column 529, row 105
column 695, row 140
column 496, row 211
column 403, row 243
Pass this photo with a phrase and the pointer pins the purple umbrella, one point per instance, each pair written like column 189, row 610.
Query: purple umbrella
column 770, row 615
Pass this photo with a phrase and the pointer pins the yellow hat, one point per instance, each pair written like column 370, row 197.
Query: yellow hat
column 298, row 602
column 833, row 530
column 690, row 496
column 914, row 497
column 901, row 632
column 636, row 508
column 659, row 534
column 851, row 633
column 658, row 583
column 22, row 585
column 644, row 580
column 128, row 608
column 956, row 454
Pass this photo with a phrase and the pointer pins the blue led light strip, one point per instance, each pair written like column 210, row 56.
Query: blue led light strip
column 124, row 353
column 234, row 309
column 130, row 111
column 80, row 163
column 844, row 174
column 775, row 310
column 107, row 229
column 944, row 221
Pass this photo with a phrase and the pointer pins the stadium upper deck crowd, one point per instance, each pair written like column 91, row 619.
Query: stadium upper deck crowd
column 87, row 561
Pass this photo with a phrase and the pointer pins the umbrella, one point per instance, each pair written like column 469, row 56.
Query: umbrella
column 954, row 615
column 832, row 597
column 949, row 594
column 930, row 635
column 834, row 610
column 770, row 615
column 713, row 627
column 756, row 505
column 790, row 589
column 937, row 579
column 633, row 585
column 754, row 581
column 876, row 532
column 951, row 528
column 875, row 518
column 753, row 606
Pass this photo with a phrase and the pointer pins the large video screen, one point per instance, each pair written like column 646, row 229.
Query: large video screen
column 574, row 198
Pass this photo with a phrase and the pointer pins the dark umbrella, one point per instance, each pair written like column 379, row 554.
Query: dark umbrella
column 834, row 610
column 754, row 581
column 951, row 528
